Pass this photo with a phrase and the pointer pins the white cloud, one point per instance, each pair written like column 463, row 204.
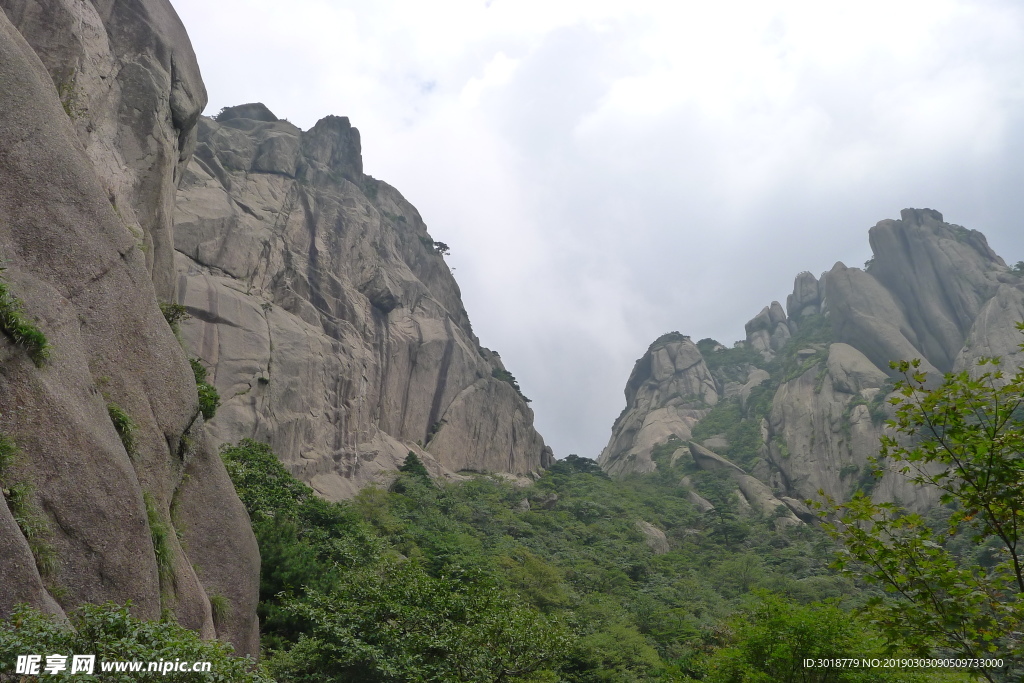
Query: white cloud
column 608, row 171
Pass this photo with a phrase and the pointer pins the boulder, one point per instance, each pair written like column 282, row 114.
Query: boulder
column 698, row 501
column 851, row 371
column 654, row 537
column 799, row 509
column 709, row 460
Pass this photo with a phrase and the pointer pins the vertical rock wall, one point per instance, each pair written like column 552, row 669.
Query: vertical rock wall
column 331, row 325
column 97, row 108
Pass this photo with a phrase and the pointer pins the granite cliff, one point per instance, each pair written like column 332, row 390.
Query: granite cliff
column 799, row 404
column 113, row 489
column 321, row 306
column 332, row 327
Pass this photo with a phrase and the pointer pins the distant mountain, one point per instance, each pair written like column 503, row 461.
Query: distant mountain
column 800, row 404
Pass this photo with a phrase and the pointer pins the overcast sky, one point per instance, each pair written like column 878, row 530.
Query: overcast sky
column 605, row 172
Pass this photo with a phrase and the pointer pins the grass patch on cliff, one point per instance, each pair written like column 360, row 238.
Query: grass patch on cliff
column 8, row 451
column 160, row 534
column 125, row 427
column 717, row 357
column 209, row 398
column 17, row 326
column 220, row 607
column 33, row 524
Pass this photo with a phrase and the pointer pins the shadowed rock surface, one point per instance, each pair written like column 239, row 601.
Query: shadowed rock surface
column 331, row 324
column 97, row 108
column 817, row 385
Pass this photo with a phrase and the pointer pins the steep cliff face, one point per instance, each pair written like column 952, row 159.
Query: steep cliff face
column 803, row 396
column 97, row 106
column 127, row 77
column 331, row 325
column 668, row 392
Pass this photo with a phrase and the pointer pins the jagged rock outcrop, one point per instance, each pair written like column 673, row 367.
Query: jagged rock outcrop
column 865, row 315
column 331, row 325
column 808, row 297
column 941, row 275
column 768, row 331
column 995, row 332
column 669, row 391
column 933, row 291
column 825, row 424
column 79, row 178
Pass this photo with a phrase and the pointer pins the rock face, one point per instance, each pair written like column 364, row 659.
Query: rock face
column 669, row 391
column 813, row 380
column 127, row 77
column 330, row 323
column 98, row 103
column 768, row 331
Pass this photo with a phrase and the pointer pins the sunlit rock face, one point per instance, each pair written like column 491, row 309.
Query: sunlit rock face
column 933, row 291
column 331, row 324
column 98, row 105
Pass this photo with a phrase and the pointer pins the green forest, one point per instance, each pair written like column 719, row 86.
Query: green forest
column 580, row 577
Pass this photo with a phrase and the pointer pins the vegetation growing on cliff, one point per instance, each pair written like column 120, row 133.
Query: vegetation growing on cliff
column 34, row 526
column 174, row 314
column 19, row 329
column 506, row 376
column 125, row 427
column 209, row 398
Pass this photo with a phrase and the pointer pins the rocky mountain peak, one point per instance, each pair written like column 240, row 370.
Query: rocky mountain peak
column 333, row 146
column 801, row 404
column 332, row 325
column 922, row 290
column 669, row 390
column 807, row 297
column 254, row 111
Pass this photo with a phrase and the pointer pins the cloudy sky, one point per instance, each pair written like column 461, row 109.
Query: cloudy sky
column 605, row 172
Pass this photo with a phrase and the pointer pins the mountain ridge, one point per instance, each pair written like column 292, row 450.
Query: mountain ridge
column 818, row 369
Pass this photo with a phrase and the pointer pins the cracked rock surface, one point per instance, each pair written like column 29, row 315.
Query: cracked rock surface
column 98, row 103
column 332, row 327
